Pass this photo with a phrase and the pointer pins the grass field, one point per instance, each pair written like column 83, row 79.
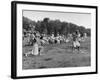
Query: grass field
column 58, row 55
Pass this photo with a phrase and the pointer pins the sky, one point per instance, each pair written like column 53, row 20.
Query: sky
column 81, row 19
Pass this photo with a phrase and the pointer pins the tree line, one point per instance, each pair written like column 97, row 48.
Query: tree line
column 48, row 26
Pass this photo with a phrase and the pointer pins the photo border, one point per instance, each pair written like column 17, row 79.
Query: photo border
column 14, row 38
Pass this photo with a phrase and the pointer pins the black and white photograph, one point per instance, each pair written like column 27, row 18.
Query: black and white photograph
column 53, row 39
column 56, row 39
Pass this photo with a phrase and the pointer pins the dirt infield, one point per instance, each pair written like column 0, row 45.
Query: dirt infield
column 58, row 55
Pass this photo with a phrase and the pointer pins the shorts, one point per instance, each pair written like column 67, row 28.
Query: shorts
column 76, row 43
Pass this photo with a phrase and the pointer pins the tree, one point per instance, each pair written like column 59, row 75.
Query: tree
column 28, row 24
column 88, row 31
column 47, row 26
column 64, row 28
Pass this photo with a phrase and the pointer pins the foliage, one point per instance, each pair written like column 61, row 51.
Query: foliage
column 47, row 26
